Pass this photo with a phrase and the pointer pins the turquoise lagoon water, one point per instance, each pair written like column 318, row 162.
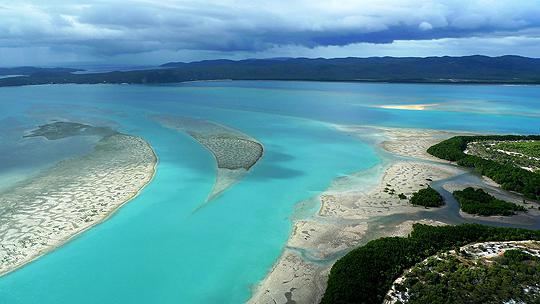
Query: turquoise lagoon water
column 156, row 249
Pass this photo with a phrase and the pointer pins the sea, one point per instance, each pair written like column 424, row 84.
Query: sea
column 161, row 247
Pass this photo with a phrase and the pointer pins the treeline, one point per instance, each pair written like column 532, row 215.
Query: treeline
column 35, row 71
column 467, row 69
column 526, row 147
column 509, row 177
column 366, row 274
column 477, row 201
column 427, row 197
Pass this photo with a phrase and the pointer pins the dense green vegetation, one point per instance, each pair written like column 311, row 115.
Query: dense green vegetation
column 508, row 176
column 427, row 197
column 34, row 71
column 517, row 153
column 454, row 280
column 365, row 274
column 468, row 69
column 530, row 148
column 477, row 201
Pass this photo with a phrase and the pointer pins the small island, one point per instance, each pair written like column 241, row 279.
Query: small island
column 477, row 201
column 427, row 197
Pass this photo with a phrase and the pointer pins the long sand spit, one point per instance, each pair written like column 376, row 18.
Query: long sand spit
column 234, row 152
column 47, row 210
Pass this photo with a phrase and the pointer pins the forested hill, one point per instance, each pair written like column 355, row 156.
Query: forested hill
column 28, row 70
column 469, row 69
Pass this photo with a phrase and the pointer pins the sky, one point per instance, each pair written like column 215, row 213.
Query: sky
column 143, row 32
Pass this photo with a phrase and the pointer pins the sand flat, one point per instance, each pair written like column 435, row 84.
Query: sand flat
column 345, row 211
column 42, row 213
column 235, row 152
column 415, row 107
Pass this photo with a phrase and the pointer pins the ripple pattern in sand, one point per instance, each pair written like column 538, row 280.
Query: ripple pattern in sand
column 42, row 213
column 235, row 152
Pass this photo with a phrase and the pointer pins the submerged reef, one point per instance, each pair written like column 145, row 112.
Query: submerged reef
column 63, row 129
column 235, row 152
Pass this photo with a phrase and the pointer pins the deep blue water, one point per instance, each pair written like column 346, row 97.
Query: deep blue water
column 156, row 249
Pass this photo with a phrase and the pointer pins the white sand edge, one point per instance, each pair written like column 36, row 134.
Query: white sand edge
column 57, row 243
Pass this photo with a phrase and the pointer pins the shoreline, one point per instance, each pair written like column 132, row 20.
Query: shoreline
column 352, row 81
column 150, row 174
column 448, row 82
column 349, row 212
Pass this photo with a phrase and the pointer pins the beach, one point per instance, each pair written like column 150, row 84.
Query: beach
column 45, row 211
column 348, row 213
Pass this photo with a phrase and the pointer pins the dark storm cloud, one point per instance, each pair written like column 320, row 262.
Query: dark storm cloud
column 128, row 27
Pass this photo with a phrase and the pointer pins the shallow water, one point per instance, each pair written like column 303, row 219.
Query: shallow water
column 156, row 249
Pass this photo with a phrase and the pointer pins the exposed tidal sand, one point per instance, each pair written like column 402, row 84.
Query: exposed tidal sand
column 42, row 213
column 416, row 107
column 347, row 210
column 235, row 152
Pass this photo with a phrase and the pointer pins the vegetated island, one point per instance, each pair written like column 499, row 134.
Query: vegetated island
column 488, row 272
column 427, row 197
column 46, row 210
column 477, row 201
column 503, row 170
column 467, row 69
column 367, row 273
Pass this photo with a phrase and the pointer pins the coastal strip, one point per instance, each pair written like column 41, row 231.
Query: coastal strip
column 350, row 213
column 45, row 211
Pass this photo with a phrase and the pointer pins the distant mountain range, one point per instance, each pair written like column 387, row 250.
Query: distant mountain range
column 467, row 69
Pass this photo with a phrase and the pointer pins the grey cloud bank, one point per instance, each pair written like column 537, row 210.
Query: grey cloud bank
column 157, row 31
